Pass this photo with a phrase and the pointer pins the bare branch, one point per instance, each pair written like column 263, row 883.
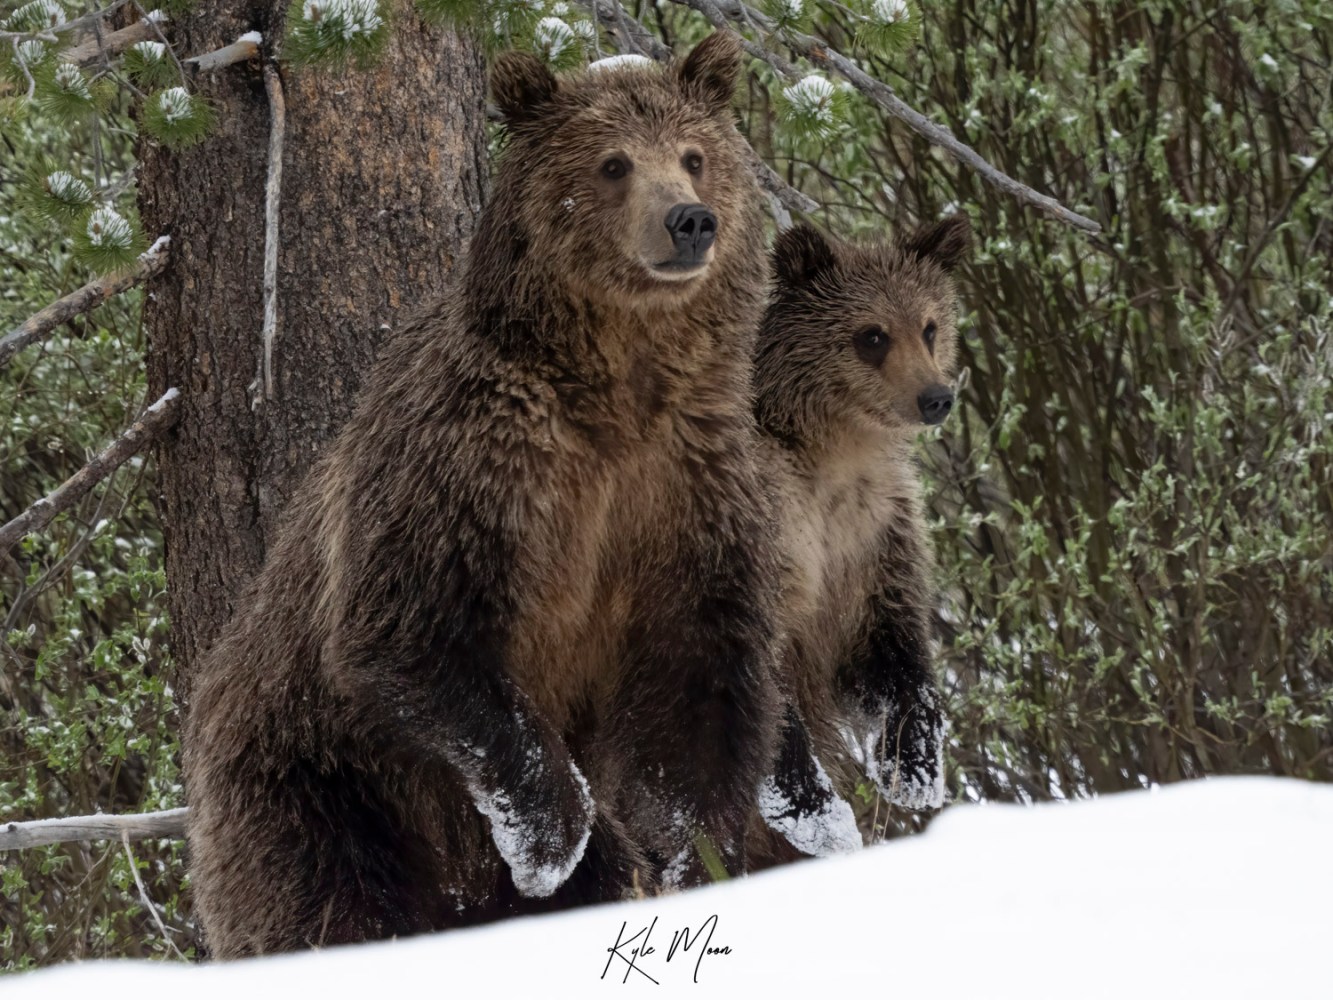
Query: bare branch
column 150, row 424
column 89, row 297
column 21, row 64
column 821, row 54
column 272, row 204
column 787, row 196
column 27, row 594
column 615, row 19
column 79, row 24
column 94, row 49
column 136, row 826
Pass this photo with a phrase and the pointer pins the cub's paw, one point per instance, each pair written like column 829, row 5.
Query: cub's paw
column 902, row 751
column 542, row 838
column 909, row 762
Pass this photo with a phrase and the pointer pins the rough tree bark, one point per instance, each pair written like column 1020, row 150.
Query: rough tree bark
column 382, row 181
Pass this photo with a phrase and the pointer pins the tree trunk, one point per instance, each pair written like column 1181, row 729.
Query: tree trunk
column 382, row 182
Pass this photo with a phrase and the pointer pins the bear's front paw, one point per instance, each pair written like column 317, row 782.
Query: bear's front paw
column 809, row 814
column 542, row 840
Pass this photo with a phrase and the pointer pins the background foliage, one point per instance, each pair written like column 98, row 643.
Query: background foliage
column 1131, row 505
column 87, row 721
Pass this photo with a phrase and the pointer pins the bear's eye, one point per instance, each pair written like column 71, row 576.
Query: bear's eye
column 928, row 335
column 694, row 163
column 871, row 344
column 615, row 168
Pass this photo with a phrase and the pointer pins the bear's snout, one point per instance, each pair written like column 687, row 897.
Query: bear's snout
column 693, row 229
column 935, row 403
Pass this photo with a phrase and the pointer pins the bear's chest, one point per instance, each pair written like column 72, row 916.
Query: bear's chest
column 598, row 536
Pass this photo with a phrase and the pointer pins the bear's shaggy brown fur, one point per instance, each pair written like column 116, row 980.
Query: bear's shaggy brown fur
column 537, row 553
column 855, row 353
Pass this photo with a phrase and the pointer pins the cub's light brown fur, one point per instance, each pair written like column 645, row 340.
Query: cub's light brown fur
column 856, row 352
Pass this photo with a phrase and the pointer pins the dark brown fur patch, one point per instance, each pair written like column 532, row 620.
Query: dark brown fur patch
column 541, row 542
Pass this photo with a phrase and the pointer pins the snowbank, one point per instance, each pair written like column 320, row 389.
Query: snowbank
column 1210, row 889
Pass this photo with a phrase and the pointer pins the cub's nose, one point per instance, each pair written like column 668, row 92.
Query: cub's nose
column 935, row 403
column 693, row 229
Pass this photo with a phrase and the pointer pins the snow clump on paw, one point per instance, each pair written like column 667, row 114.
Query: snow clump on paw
column 831, row 829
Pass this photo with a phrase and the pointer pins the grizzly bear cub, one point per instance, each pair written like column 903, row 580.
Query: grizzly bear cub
column 531, row 588
column 856, row 352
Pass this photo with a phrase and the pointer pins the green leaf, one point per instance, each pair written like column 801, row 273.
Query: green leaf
column 558, row 44
column 148, row 65
column 177, row 118
column 813, row 108
column 38, row 15
column 334, row 32
column 886, row 27
column 789, row 15
column 63, row 92
column 60, row 195
column 107, row 241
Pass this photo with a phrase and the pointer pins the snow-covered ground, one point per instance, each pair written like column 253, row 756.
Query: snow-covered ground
column 1210, row 889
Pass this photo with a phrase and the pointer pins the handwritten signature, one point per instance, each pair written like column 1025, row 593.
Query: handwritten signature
column 634, row 949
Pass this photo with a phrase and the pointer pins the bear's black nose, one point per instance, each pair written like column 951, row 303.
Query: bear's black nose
column 693, row 229
column 935, row 403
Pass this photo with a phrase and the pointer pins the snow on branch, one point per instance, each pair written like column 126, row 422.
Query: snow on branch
column 718, row 13
column 89, row 297
column 152, row 422
column 58, row 24
column 135, row 826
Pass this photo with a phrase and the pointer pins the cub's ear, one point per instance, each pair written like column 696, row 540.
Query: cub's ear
column 709, row 73
column 947, row 243
column 522, row 86
column 800, row 255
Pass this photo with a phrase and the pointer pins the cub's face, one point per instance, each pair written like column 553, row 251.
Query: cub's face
column 629, row 178
column 863, row 332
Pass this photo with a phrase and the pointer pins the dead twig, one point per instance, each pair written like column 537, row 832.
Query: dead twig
column 94, row 49
column 720, row 12
column 87, row 298
column 144, row 897
column 168, row 823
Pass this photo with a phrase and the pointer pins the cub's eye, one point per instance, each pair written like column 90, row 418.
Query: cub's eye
column 871, row 344
column 615, row 168
column 928, row 334
column 693, row 162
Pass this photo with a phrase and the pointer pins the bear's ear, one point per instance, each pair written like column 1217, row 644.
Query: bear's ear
column 800, row 255
column 709, row 73
column 522, row 86
column 947, row 243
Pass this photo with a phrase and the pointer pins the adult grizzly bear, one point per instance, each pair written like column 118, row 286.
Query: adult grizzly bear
column 855, row 354
column 536, row 554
